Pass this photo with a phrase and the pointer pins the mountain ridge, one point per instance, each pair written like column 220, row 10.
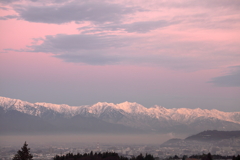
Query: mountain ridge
column 131, row 114
column 128, row 107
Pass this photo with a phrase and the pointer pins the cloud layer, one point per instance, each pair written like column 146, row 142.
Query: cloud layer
column 97, row 12
column 230, row 80
column 187, row 35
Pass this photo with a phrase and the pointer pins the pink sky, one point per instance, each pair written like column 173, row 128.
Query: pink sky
column 174, row 54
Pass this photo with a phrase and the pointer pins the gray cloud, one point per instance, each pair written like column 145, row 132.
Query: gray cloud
column 78, row 42
column 4, row 8
column 90, row 58
column 108, row 16
column 140, row 27
column 8, row 17
column 233, row 4
column 146, row 26
column 86, row 11
column 8, row 1
column 90, row 49
column 207, row 20
column 101, row 49
column 219, row 3
column 230, row 80
column 95, row 49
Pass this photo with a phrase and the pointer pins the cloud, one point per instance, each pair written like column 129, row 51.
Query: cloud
column 121, row 15
column 8, row 17
column 80, row 48
column 234, row 4
column 230, row 80
column 4, row 8
column 75, row 11
column 78, row 42
column 103, row 49
column 139, row 27
column 90, row 58
column 111, row 33
column 5, row 2
column 144, row 27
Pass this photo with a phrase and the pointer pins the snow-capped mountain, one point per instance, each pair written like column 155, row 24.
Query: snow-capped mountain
column 129, row 115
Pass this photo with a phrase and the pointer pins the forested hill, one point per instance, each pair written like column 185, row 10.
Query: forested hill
column 214, row 135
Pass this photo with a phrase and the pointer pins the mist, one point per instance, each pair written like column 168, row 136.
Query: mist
column 77, row 139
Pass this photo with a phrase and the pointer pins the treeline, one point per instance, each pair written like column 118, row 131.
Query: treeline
column 24, row 154
column 211, row 156
column 115, row 156
column 205, row 157
column 101, row 156
column 236, row 157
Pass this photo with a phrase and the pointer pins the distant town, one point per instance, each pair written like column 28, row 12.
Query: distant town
column 158, row 151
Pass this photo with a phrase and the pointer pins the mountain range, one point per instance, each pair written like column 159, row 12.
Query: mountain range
column 17, row 116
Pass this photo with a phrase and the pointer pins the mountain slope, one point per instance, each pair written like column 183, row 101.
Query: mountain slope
column 12, row 122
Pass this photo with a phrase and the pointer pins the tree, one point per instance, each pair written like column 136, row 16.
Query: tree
column 209, row 156
column 149, row 157
column 24, row 153
column 184, row 157
column 140, row 157
column 175, row 157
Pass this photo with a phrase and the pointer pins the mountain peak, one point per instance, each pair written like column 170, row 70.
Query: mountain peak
column 131, row 107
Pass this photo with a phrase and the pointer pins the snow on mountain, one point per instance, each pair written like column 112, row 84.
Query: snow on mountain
column 125, row 109
column 16, row 104
column 67, row 110
column 133, row 108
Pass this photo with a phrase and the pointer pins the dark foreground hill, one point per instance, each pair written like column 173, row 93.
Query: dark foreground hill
column 214, row 135
column 217, row 138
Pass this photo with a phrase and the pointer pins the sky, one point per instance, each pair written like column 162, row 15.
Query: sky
column 175, row 54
